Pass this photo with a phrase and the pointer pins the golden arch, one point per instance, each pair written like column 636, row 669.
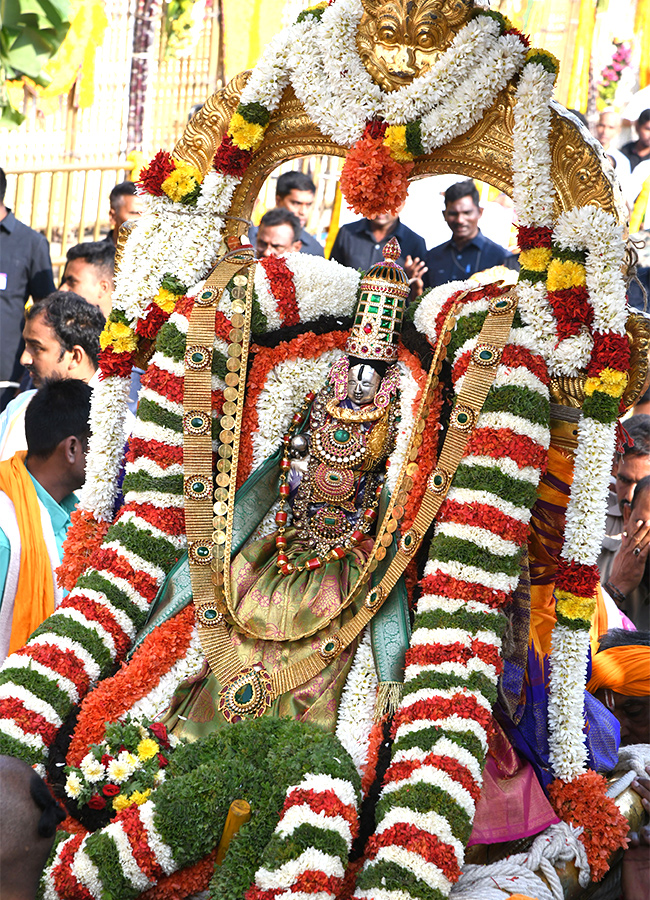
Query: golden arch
column 484, row 152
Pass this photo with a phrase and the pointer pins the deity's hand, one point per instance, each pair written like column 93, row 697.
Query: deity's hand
column 415, row 270
column 628, row 567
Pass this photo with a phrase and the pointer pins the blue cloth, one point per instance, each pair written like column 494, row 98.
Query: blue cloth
column 59, row 514
column 447, row 263
column 355, row 245
column 530, row 736
column 309, row 243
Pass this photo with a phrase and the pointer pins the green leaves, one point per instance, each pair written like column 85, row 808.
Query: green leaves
column 31, row 31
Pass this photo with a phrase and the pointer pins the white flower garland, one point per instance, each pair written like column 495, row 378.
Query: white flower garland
column 533, row 189
column 340, row 95
column 357, row 705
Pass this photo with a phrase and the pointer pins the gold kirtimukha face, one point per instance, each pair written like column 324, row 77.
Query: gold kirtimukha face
column 398, row 40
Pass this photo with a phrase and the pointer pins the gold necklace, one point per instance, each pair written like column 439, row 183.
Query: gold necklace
column 353, row 415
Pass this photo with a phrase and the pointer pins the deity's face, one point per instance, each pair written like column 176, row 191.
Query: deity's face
column 398, row 40
column 363, row 383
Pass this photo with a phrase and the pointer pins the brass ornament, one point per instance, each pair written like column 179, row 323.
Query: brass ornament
column 399, row 40
column 637, row 329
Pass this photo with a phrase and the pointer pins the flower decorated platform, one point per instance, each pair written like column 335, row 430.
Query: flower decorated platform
column 231, row 348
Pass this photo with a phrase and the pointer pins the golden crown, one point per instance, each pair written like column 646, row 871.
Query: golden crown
column 383, row 293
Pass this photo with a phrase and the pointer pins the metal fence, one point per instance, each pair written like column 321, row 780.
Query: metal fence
column 68, row 204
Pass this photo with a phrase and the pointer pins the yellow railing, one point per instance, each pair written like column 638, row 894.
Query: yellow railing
column 67, row 203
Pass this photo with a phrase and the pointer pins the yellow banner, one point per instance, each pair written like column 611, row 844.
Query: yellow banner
column 248, row 28
column 642, row 37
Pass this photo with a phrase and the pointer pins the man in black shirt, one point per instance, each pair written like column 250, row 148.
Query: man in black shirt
column 637, row 151
column 468, row 251
column 360, row 244
column 25, row 271
column 295, row 192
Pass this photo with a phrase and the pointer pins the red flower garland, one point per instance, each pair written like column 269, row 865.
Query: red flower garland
column 532, row 236
column 434, row 654
column 572, row 310
column 63, row 662
column 426, row 845
column 484, row 516
column 447, row 586
column 185, row 882
column 153, row 175
column 461, row 704
column 610, row 351
column 114, row 364
column 283, row 289
column 84, row 537
column 578, row 578
column 230, row 159
column 152, row 322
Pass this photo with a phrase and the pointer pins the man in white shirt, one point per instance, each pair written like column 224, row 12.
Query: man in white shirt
column 61, row 337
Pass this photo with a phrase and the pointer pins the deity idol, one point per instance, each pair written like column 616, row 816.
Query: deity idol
column 296, row 591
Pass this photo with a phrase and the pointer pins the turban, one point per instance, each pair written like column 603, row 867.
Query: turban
column 625, row 670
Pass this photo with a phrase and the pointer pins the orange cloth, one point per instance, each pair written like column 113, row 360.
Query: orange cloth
column 34, row 600
column 625, row 670
column 545, row 539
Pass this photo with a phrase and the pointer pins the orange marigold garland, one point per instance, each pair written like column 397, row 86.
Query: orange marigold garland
column 84, row 537
column 115, row 696
column 584, row 802
column 372, row 181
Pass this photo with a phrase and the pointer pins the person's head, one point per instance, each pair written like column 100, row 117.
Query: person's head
column 634, row 463
column 643, row 128
column 639, row 508
column 125, row 204
column 57, row 431
column 3, row 187
column 29, row 816
column 295, row 191
column 278, row 234
column 89, row 272
column 462, row 210
column 61, row 337
column 607, row 127
column 620, row 679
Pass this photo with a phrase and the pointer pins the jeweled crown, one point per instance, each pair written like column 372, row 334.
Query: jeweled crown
column 378, row 321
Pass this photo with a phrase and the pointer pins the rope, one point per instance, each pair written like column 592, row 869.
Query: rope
column 556, row 846
column 635, row 757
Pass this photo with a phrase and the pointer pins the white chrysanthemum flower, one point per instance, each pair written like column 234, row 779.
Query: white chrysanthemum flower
column 92, row 768
column 73, row 785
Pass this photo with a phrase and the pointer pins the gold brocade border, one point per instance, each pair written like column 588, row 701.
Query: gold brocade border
column 213, row 630
column 207, row 535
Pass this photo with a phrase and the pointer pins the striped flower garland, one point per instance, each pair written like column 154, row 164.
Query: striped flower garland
column 426, row 807
column 309, row 850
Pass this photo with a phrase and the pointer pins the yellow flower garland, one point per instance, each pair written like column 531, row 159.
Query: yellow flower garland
column 572, row 606
column 536, row 259
column 118, row 336
column 564, row 274
column 246, row 135
column 609, row 381
column 395, row 140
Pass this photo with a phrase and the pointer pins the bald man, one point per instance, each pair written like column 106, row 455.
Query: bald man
column 29, row 816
